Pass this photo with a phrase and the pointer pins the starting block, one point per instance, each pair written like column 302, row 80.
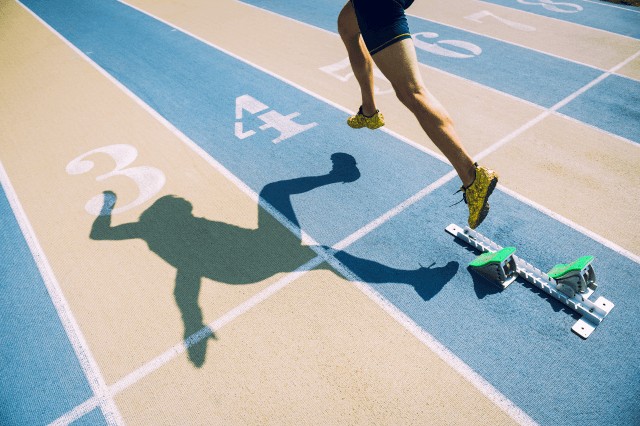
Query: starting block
column 497, row 267
column 572, row 284
column 576, row 277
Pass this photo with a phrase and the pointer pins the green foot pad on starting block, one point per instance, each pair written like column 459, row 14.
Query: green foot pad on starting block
column 499, row 267
column 576, row 277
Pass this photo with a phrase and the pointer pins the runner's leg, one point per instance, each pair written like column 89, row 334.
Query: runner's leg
column 361, row 62
column 398, row 62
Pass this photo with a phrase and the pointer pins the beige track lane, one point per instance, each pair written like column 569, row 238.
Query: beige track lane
column 55, row 106
column 316, row 353
column 574, row 42
column 296, row 52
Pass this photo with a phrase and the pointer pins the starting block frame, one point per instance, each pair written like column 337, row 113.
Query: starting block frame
column 593, row 312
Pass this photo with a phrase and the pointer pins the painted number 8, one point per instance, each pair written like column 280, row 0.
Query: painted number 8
column 148, row 179
column 553, row 6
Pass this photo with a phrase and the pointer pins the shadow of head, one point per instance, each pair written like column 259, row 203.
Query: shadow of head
column 168, row 209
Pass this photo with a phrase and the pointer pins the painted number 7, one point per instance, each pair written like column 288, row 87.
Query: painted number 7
column 477, row 17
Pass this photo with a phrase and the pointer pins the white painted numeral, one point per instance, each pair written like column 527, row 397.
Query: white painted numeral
column 148, row 179
column 477, row 17
column 554, row 6
column 342, row 71
column 284, row 124
column 251, row 105
column 272, row 120
column 437, row 49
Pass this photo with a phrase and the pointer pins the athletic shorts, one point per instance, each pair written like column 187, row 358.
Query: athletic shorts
column 382, row 22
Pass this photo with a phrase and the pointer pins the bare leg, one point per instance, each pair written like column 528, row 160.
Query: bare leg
column 361, row 62
column 399, row 64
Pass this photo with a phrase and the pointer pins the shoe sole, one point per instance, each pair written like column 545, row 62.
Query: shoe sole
column 365, row 126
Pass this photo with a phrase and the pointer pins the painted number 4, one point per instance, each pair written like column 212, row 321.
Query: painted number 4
column 272, row 120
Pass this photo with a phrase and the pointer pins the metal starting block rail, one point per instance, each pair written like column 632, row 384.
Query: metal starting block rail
column 572, row 284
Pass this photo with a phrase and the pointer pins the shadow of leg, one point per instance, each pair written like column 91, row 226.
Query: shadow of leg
column 278, row 194
column 195, row 333
column 427, row 282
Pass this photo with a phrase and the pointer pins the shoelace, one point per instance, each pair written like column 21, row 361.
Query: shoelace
column 366, row 116
column 464, row 197
column 463, row 189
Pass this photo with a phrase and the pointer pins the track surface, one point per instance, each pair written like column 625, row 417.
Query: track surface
column 239, row 282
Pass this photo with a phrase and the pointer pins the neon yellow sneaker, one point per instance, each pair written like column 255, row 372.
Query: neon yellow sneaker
column 477, row 195
column 360, row 120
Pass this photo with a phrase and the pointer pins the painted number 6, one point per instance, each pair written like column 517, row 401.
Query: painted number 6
column 148, row 179
column 437, row 49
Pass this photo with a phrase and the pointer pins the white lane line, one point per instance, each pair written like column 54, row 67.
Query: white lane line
column 597, row 129
column 486, row 388
column 179, row 348
column 73, row 415
column 491, row 149
column 615, row 6
column 561, row 20
column 394, row 211
column 612, row 246
column 74, row 334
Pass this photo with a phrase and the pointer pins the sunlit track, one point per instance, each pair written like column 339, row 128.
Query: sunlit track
column 342, row 299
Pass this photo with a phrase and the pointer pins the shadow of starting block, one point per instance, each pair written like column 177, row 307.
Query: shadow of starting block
column 572, row 283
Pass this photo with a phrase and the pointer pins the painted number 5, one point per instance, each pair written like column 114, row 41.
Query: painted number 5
column 148, row 179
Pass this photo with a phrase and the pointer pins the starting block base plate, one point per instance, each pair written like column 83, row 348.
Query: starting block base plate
column 583, row 327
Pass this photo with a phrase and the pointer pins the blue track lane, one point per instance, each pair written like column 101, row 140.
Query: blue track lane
column 519, row 340
column 618, row 19
column 40, row 374
column 524, row 73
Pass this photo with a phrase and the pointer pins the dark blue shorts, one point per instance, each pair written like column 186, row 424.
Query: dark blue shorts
column 382, row 22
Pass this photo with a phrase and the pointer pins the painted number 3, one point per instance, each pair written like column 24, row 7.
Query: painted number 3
column 149, row 180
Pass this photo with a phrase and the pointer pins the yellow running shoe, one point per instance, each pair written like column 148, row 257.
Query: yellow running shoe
column 477, row 195
column 360, row 120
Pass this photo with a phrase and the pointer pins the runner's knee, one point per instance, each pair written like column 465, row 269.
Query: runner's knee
column 411, row 96
column 417, row 100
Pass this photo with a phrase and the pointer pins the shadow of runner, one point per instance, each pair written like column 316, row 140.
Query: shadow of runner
column 201, row 248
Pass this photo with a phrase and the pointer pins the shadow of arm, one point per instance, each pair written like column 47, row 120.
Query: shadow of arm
column 102, row 229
